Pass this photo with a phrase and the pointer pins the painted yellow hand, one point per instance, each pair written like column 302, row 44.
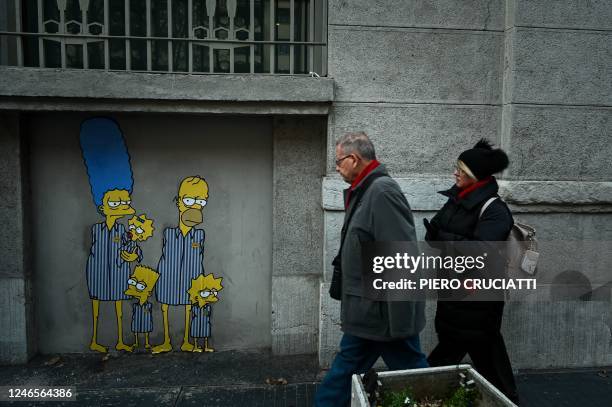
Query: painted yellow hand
column 127, row 256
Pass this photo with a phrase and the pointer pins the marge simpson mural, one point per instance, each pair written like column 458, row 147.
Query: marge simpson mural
column 182, row 258
column 110, row 177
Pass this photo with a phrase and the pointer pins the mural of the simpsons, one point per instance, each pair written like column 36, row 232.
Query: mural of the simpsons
column 110, row 177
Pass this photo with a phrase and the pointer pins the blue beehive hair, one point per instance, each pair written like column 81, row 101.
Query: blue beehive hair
column 106, row 157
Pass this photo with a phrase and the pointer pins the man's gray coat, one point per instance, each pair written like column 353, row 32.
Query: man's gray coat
column 382, row 214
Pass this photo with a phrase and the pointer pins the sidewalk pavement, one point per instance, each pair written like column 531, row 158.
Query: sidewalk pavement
column 244, row 379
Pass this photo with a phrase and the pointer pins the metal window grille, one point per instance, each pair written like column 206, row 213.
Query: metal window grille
column 187, row 36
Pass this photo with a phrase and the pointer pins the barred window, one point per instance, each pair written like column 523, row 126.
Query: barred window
column 191, row 36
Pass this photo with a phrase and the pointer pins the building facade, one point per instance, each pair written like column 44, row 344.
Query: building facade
column 255, row 107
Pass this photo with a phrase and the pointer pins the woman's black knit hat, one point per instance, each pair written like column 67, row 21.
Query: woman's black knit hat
column 483, row 160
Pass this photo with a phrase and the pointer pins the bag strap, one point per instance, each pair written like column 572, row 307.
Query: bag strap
column 486, row 205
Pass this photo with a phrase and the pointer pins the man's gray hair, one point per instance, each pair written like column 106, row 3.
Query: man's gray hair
column 358, row 143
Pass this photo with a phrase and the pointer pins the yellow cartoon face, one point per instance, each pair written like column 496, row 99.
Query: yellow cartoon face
column 191, row 199
column 141, row 283
column 140, row 228
column 205, row 290
column 117, row 203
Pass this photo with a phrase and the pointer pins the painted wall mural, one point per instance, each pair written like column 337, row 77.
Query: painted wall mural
column 182, row 258
column 113, row 269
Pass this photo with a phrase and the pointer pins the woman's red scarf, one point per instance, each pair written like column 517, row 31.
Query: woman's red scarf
column 466, row 191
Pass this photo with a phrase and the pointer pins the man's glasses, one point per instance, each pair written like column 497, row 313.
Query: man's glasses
column 339, row 160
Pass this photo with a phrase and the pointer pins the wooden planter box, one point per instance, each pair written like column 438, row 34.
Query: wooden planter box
column 437, row 382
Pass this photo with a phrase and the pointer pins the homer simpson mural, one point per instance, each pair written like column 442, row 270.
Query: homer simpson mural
column 110, row 177
column 182, row 257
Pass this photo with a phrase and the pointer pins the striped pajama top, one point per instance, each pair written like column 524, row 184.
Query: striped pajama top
column 182, row 260
column 107, row 274
column 131, row 245
column 200, row 321
column 142, row 317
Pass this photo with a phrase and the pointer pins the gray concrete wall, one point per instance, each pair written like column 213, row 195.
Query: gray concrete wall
column 299, row 164
column 426, row 79
column 417, row 76
column 233, row 154
column 17, row 336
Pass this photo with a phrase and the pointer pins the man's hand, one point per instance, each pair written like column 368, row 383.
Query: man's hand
column 127, row 256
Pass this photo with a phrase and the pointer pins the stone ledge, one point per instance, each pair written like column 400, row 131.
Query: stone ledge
column 34, row 82
column 422, row 193
column 59, row 104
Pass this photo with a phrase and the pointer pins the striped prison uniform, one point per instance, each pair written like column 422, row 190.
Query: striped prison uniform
column 107, row 274
column 200, row 321
column 131, row 245
column 142, row 317
column 182, row 260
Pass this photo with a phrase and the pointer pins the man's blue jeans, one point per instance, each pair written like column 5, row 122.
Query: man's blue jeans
column 358, row 355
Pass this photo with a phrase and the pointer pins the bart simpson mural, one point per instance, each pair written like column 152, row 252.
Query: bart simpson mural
column 110, row 177
column 203, row 292
column 182, row 258
column 140, row 286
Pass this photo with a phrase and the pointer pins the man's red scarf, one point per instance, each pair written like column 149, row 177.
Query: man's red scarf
column 466, row 191
column 364, row 173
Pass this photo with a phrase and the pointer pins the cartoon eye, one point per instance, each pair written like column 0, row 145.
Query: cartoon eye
column 128, row 202
column 140, row 286
column 131, row 281
column 139, row 230
column 201, row 202
column 214, row 292
column 114, row 204
column 188, row 201
column 131, row 227
column 204, row 294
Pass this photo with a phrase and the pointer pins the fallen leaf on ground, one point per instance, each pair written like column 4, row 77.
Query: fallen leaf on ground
column 52, row 361
column 279, row 381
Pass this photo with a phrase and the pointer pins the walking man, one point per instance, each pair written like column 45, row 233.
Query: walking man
column 375, row 210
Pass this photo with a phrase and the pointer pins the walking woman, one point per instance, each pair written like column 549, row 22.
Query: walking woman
column 468, row 326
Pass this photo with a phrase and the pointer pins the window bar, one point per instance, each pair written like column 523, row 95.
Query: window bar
column 190, row 35
column 106, row 32
column 231, row 13
column 311, row 14
column 272, row 35
column 18, row 29
column 62, row 30
column 41, row 29
column 210, row 9
column 323, row 26
column 148, row 20
column 128, row 50
column 170, row 55
column 291, row 34
column 84, row 30
column 252, row 33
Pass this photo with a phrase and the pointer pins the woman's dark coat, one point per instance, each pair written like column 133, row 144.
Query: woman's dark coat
column 460, row 220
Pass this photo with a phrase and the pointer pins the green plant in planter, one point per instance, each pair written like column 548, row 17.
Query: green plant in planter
column 461, row 397
column 397, row 398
